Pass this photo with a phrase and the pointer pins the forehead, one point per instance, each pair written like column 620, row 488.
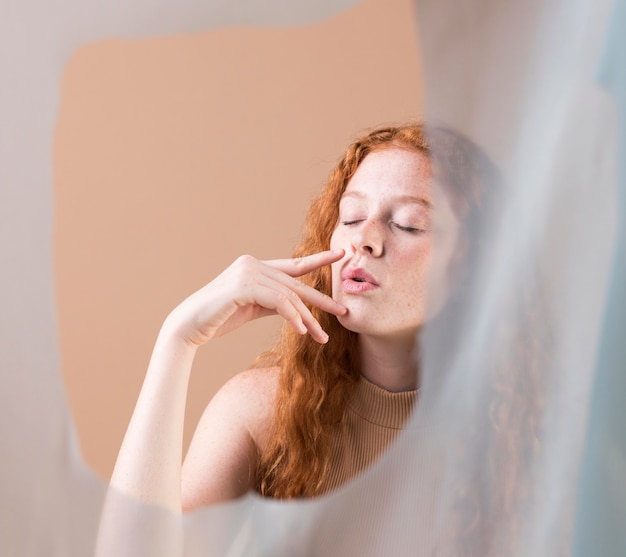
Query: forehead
column 392, row 172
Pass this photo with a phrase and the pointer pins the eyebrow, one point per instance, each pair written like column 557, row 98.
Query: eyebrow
column 400, row 198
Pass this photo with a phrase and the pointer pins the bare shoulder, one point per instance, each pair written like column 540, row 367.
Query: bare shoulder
column 254, row 382
column 223, row 455
column 251, row 394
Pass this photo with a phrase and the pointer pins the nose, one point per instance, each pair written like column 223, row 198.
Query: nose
column 368, row 238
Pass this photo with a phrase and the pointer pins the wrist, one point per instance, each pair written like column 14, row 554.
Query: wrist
column 178, row 333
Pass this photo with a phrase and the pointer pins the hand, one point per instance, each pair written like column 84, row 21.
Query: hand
column 250, row 289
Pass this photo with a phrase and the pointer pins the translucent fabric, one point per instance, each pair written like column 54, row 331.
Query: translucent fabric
column 517, row 445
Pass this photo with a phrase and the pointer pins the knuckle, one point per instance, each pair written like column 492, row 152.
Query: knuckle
column 243, row 264
column 245, row 260
column 293, row 296
column 242, row 270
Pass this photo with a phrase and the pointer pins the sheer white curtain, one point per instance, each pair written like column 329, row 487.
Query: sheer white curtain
column 523, row 370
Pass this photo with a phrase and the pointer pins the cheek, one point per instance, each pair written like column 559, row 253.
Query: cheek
column 417, row 265
column 335, row 267
column 419, row 258
column 336, row 239
column 444, row 256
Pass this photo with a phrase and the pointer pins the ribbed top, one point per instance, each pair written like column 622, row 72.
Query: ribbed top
column 372, row 420
column 380, row 407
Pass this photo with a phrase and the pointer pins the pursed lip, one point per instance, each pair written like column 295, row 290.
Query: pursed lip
column 358, row 275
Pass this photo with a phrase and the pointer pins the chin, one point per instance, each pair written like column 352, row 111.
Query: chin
column 349, row 322
column 363, row 325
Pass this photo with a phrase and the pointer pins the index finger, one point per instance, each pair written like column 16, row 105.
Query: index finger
column 298, row 266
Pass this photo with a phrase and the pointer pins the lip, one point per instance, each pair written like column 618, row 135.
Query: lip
column 355, row 280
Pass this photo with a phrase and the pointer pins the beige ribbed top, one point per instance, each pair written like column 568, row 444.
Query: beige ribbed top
column 372, row 420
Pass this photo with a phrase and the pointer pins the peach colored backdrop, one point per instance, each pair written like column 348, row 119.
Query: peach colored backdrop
column 175, row 155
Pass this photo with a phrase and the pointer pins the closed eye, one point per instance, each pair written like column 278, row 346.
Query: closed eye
column 350, row 222
column 410, row 229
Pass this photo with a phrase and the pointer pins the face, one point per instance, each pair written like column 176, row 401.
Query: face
column 389, row 223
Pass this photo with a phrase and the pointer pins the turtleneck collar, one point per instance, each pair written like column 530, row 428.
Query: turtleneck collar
column 381, row 407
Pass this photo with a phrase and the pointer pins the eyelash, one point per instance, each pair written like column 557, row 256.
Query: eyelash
column 409, row 229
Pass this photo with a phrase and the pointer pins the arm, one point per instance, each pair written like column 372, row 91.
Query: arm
column 222, row 459
column 149, row 462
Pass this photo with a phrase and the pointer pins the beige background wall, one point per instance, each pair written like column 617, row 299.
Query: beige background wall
column 175, row 155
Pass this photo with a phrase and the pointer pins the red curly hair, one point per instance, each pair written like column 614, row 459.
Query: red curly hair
column 316, row 380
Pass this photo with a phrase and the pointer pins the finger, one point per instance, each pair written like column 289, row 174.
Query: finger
column 250, row 274
column 312, row 325
column 307, row 293
column 298, row 266
column 316, row 298
column 288, row 305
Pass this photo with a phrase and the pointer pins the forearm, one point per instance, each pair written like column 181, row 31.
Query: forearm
column 148, row 466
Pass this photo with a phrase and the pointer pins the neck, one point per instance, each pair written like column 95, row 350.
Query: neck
column 390, row 363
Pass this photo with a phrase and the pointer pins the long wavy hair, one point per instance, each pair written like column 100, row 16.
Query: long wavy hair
column 316, row 380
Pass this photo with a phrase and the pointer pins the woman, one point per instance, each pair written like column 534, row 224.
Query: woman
column 353, row 300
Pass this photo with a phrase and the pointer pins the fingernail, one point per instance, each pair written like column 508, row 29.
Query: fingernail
column 324, row 338
column 337, row 251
